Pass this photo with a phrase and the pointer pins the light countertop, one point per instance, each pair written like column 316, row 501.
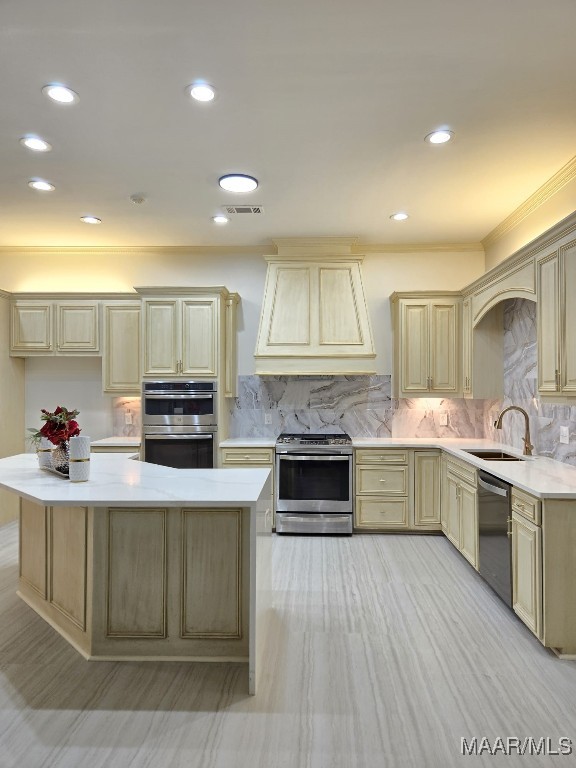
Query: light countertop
column 124, row 482
column 117, row 442
column 248, row 442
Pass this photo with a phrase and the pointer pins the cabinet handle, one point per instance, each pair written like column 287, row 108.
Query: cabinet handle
column 557, row 377
column 509, row 531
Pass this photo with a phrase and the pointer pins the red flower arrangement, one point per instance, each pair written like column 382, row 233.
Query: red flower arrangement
column 60, row 426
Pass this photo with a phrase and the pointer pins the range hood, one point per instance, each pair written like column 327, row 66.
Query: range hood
column 314, row 318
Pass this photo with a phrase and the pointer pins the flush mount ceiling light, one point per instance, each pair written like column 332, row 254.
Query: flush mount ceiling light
column 220, row 219
column 238, row 182
column 90, row 220
column 202, row 91
column 439, row 137
column 35, row 143
column 41, row 185
column 400, row 216
column 60, row 93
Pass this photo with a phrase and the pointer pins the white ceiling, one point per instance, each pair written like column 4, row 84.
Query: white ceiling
column 326, row 102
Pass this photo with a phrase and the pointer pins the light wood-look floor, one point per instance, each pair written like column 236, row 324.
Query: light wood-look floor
column 386, row 650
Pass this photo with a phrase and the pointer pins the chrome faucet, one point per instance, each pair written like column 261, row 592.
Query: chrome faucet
column 527, row 444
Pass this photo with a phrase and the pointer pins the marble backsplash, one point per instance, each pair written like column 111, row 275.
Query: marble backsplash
column 521, row 388
column 359, row 405
column 124, row 410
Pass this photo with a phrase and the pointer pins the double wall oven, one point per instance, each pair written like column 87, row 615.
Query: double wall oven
column 314, row 483
column 179, row 423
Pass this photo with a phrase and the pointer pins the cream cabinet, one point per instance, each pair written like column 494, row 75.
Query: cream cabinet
column 427, row 496
column 48, row 327
column 427, row 357
column 527, row 572
column 482, row 352
column 232, row 458
column 556, row 312
column 121, row 367
column 382, row 489
column 460, row 508
column 181, row 336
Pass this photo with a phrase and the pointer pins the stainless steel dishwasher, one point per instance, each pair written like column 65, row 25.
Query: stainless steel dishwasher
column 495, row 550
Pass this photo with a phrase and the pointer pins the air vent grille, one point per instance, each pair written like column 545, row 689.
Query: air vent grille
column 258, row 209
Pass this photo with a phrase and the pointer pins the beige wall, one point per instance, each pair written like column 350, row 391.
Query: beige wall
column 244, row 272
column 11, row 407
column 550, row 212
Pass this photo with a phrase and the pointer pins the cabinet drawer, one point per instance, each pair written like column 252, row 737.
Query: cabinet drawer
column 462, row 470
column 388, row 456
column 527, row 505
column 381, row 513
column 239, row 456
column 383, row 481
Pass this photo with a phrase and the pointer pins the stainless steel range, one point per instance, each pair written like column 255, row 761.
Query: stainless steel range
column 314, row 483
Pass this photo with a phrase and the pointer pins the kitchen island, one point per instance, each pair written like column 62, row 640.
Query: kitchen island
column 145, row 562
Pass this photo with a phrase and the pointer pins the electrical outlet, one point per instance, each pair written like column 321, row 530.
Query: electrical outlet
column 443, row 419
column 564, row 435
column 267, row 418
column 128, row 417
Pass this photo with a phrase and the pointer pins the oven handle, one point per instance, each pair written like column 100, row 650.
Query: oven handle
column 313, row 457
column 178, row 437
column 310, row 519
column 171, row 396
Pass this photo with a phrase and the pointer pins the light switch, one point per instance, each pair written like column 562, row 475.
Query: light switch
column 443, row 419
column 267, row 418
column 128, row 417
column 564, row 435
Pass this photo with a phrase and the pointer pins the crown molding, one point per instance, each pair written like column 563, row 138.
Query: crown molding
column 564, row 176
column 420, row 248
column 183, row 250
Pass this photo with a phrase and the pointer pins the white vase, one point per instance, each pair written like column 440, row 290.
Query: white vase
column 44, row 452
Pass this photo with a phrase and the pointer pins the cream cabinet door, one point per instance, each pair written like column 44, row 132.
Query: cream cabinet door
column 161, row 337
column 548, row 314
column 31, row 327
column 467, row 347
column 527, row 572
column 443, row 346
column 453, row 510
column 568, row 310
column 414, row 344
column 77, row 327
column 468, row 523
column 199, row 323
column 121, row 348
column 427, row 489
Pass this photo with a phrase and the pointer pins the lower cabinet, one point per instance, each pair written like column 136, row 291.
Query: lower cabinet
column 250, row 458
column 397, row 489
column 460, row 508
column 527, row 572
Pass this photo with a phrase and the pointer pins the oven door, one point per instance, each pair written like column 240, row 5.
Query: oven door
column 186, row 409
column 180, row 450
column 313, row 483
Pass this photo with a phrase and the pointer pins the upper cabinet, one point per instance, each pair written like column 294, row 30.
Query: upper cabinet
column 185, row 333
column 48, row 327
column 121, row 358
column 556, row 287
column 426, row 344
column 314, row 317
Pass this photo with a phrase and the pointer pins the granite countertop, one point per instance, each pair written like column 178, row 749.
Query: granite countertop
column 123, row 482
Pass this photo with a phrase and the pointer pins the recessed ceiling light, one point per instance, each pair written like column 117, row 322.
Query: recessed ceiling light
column 439, row 137
column 238, row 182
column 220, row 219
column 90, row 220
column 35, row 143
column 60, row 93
column 41, row 185
column 400, row 216
column 202, row 92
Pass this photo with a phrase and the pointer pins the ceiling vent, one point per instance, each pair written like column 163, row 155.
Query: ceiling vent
column 243, row 209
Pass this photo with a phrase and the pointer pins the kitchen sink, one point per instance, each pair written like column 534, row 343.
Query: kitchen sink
column 491, row 455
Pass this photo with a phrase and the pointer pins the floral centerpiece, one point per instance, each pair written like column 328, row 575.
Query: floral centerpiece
column 58, row 428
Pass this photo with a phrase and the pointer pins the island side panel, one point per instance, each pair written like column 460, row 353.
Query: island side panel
column 55, row 565
column 171, row 590
column 261, row 611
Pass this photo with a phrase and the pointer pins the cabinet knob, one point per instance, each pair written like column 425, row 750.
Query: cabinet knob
column 382, row 480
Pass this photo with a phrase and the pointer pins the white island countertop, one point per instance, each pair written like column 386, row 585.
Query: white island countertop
column 117, row 442
column 123, row 482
